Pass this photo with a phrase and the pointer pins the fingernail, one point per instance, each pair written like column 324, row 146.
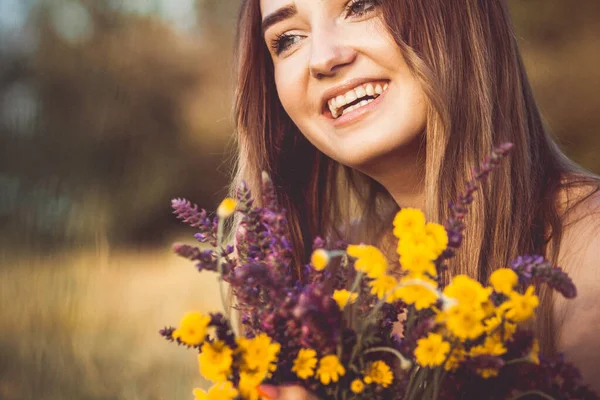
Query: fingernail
column 268, row 392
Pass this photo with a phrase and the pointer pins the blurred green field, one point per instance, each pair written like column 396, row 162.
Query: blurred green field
column 84, row 325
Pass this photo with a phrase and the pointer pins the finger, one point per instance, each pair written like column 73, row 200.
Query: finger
column 268, row 392
column 292, row 392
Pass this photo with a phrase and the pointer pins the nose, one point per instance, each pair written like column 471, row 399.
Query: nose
column 329, row 53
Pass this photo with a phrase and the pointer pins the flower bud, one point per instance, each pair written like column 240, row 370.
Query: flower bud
column 226, row 208
column 319, row 259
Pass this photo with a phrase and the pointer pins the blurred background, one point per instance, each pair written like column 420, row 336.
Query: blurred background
column 110, row 108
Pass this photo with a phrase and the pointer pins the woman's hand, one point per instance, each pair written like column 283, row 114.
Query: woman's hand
column 287, row 392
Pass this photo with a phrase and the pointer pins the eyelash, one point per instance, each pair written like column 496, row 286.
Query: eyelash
column 367, row 6
column 280, row 43
column 353, row 8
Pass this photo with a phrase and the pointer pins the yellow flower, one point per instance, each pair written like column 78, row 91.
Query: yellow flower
column 418, row 262
column 200, row 394
column 305, row 363
column 503, row 280
column 259, row 353
column 492, row 324
column 319, row 259
column 497, row 326
column 330, row 369
column 219, row 391
column 486, row 373
column 491, row 346
column 417, row 293
column 520, row 307
column 467, row 291
column 226, row 208
column 343, row 297
column 408, row 220
column 357, row 386
column 192, row 329
column 417, row 242
column 382, row 286
column 465, row 321
column 249, row 381
column 369, row 259
column 488, row 308
column 438, row 237
column 458, row 355
column 215, row 361
column 534, row 354
column 432, row 350
column 379, row 373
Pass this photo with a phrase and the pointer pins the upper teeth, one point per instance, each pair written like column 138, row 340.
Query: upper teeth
column 336, row 104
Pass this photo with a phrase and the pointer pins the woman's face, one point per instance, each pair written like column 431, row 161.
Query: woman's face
column 342, row 79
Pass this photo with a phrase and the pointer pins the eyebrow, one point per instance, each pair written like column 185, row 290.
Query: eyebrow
column 281, row 14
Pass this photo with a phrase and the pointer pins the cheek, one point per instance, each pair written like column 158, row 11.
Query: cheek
column 291, row 89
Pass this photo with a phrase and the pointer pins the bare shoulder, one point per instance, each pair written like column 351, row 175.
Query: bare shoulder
column 581, row 230
column 578, row 320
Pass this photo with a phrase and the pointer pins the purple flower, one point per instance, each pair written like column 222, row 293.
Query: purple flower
column 534, row 270
column 455, row 225
column 189, row 214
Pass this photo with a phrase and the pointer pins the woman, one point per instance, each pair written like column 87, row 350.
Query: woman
column 358, row 107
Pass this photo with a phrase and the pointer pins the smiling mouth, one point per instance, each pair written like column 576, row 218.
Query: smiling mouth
column 355, row 98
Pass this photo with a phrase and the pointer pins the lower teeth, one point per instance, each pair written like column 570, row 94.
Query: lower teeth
column 358, row 105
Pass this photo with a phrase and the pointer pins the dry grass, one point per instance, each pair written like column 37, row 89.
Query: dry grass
column 83, row 325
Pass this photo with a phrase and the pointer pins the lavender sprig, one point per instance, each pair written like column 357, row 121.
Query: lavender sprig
column 536, row 269
column 223, row 329
column 455, row 224
column 199, row 219
column 206, row 259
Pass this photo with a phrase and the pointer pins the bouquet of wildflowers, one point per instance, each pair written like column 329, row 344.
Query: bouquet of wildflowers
column 332, row 331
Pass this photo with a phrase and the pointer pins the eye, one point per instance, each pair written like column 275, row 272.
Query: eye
column 283, row 42
column 358, row 8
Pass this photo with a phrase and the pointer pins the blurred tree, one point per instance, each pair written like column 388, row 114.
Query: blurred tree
column 127, row 119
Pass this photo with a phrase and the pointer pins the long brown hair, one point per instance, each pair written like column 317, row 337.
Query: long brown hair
column 465, row 55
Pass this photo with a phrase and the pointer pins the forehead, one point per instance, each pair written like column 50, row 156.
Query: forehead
column 268, row 6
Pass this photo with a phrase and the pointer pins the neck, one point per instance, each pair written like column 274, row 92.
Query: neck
column 402, row 174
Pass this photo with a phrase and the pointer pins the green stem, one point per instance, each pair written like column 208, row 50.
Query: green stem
column 537, row 392
column 336, row 253
column 517, row 360
column 356, row 347
column 352, row 308
column 441, row 380
column 404, row 363
column 426, row 394
column 356, row 282
column 220, row 226
column 418, row 380
column 361, row 331
column 436, row 382
column 411, row 382
column 411, row 313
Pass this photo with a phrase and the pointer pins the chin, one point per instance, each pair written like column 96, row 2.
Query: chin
column 366, row 151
